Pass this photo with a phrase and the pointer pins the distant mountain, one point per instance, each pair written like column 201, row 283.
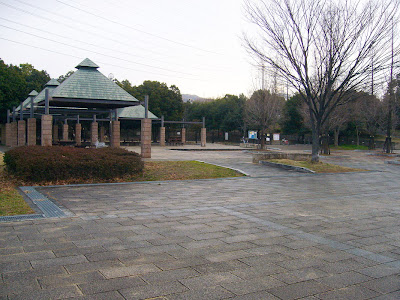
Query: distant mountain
column 188, row 97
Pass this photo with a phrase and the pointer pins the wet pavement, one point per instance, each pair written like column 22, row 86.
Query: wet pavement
column 274, row 234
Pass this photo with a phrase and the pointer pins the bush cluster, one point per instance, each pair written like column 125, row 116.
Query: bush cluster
column 38, row 164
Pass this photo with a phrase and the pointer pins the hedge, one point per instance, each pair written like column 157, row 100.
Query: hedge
column 38, row 164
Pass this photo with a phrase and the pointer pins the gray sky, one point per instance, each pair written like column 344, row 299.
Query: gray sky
column 193, row 44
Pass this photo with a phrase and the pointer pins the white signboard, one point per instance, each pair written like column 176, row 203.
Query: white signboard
column 276, row 136
column 226, row 136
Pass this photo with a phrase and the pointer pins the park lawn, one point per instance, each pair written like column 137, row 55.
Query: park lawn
column 183, row 170
column 318, row 167
column 12, row 203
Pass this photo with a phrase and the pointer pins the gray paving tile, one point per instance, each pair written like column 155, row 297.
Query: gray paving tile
column 352, row 292
column 299, row 290
column 212, row 293
column 153, row 291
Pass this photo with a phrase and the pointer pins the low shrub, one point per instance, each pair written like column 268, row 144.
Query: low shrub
column 39, row 164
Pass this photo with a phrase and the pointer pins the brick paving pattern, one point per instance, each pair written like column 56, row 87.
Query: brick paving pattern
column 273, row 235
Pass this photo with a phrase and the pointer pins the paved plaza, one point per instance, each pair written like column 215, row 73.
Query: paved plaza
column 274, row 234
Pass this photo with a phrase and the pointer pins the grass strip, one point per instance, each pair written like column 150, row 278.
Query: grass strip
column 11, row 202
column 183, row 170
column 318, row 167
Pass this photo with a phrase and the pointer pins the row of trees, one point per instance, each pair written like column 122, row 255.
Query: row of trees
column 16, row 82
column 363, row 114
column 324, row 50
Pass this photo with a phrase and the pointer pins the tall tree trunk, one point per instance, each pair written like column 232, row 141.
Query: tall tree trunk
column 262, row 139
column 358, row 137
column 336, row 136
column 316, row 129
column 315, row 144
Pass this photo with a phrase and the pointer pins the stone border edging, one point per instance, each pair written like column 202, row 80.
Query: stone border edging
column 236, row 170
column 286, row 167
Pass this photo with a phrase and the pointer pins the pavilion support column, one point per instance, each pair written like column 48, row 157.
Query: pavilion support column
column 3, row 134
column 14, row 134
column 78, row 134
column 115, row 134
column 145, row 138
column 183, row 134
column 94, row 132
column 162, row 136
column 31, row 132
column 8, row 134
column 47, row 135
column 102, row 134
column 55, row 133
column 65, row 132
column 21, row 133
column 203, row 136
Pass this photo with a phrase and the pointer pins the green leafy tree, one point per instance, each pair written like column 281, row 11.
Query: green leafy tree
column 224, row 114
column 16, row 82
column 163, row 100
column 63, row 77
column 292, row 119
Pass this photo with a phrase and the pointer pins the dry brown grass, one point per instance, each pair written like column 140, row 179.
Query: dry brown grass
column 318, row 167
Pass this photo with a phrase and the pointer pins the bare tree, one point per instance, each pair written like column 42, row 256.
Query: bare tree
column 262, row 111
column 322, row 48
column 336, row 121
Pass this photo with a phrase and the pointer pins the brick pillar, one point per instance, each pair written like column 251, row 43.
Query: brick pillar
column 14, row 134
column 65, row 132
column 115, row 134
column 145, row 138
column 8, row 134
column 21, row 133
column 203, row 137
column 31, row 132
column 47, row 135
column 183, row 134
column 102, row 133
column 55, row 133
column 162, row 136
column 3, row 134
column 78, row 134
column 94, row 132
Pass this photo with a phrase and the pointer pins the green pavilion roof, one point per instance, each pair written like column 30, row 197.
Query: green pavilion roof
column 87, row 87
column 26, row 102
column 51, row 85
column 33, row 93
column 134, row 112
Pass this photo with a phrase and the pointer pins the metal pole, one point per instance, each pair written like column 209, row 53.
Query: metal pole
column 46, row 102
column 21, row 116
column 8, row 116
column 162, row 121
column 13, row 114
column 31, row 109
column 94, row 118
column 204, row 122
column 77, row 119
column 146, row 106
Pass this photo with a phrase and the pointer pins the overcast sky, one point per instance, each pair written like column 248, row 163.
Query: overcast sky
column 195, row 45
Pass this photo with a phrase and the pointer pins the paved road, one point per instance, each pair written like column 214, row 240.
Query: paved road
column 272, row 235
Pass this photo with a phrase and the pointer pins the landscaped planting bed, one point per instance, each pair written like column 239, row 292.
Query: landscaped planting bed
column 38, row 164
